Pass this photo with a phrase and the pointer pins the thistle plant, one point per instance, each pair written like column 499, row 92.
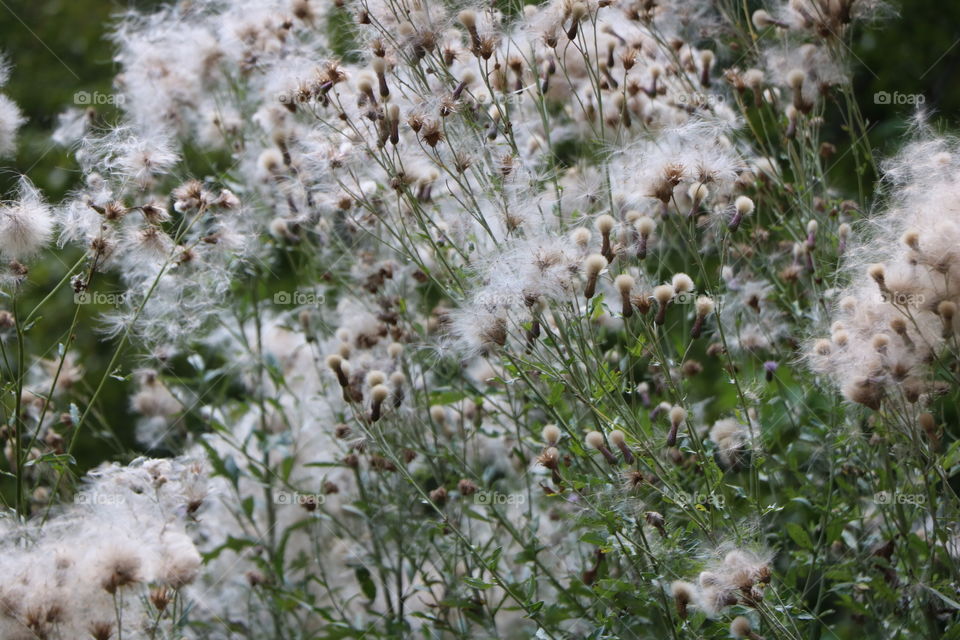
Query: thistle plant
column 549, row 320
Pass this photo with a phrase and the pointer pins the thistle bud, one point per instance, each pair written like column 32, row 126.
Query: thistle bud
column 682, row 283
column 377, row 395
column 812, row 227
column 618, row 438
column 843, row 232
column 380, row 69
column 335, row 363
column 912, row 239
column 644, row 226
column 468, row 19
column 677, row 416
column 740, row 628
column 593, row 265
column 743, row 206
column 397, row 379
column 578, row 13
column 705, row 306
column 624, row 284
column 663, row 294
column 655, row 520
column 581, row 237
column 605, row 224
column 551, row 434
column 878, row 274
column 706, row 65
column 796, row 78
column 393, row 115
column 683, row 593
column 595, row 440
column 929, row 425
column 947, row 310
column 762, row 19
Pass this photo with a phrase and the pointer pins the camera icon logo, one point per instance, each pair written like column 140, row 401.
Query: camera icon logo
column 684, row 297
column 882, row 497
column 82, row 297
column 482, row 497
column 282, row 297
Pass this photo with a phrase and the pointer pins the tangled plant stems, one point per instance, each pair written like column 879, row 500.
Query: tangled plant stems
column 528, row 321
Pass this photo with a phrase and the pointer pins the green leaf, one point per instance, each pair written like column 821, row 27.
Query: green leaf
column 366, row 583
column 476, row 583
column 799, row 535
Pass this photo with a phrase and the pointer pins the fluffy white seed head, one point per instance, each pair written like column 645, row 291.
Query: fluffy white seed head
column 877, row 273
column 26, row 224
column 581, row 236
column 551, row 434
column 911, row 238
column 698, row 192
column 705, row 306
column 744, row 205
column 682, row 283
column 617, row 437
column 594, row 440
column 707, row 57
column 682, row 591
column 677, row 415
column 947, row 309
column 663, row 293
column 753, row 78
column 605, row 224
column 645, row 225
column 594, row 264
column 624, row 283
column 468, row 18
column 379, row 393
column 762, row 19
column 10, row 121
column 795, row 78
column 740, row 627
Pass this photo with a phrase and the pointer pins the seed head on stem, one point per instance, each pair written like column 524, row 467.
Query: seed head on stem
column 595, row 440
column 677, row 416
column 624, row 284
column 592, row 266
column 663, row 294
